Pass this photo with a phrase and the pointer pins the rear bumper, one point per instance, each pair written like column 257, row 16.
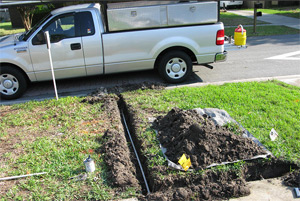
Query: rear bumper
column 221, row 57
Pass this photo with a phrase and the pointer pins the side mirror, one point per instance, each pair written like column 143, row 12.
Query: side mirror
column 54, row 38
column 39, row 39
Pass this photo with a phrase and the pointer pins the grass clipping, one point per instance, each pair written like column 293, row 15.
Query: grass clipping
column 186, row 132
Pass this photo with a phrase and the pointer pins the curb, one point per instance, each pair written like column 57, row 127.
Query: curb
column 290, row 79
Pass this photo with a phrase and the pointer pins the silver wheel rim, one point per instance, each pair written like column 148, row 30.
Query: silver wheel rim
column 9, row 84
column 176, row 68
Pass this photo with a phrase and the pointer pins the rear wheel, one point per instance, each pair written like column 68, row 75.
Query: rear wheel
column 12, row 83
column 175, row 66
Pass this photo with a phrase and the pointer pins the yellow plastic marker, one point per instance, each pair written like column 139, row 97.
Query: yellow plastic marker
column 184, row 162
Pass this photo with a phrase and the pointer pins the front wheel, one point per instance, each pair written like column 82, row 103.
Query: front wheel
column 12, row 83
column 175, row 66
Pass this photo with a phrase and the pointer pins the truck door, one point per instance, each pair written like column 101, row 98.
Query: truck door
column 91, row 42
column 66, row 49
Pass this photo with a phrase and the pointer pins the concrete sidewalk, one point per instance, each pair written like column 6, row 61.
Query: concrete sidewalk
column 270, row 18
column 268, row 189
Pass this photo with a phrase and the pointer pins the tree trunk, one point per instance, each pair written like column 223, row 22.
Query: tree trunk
column 26, row 13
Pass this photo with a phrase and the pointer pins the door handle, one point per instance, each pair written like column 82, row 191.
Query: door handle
column 75, row 46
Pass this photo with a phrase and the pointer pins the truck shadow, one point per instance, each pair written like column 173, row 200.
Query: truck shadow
column 107, row 81
column 86, row 85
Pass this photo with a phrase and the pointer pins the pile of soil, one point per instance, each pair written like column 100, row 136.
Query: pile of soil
column 186, row 132
column 117, row 158
column 102, row 92
column 292, row 179
column 213, row 185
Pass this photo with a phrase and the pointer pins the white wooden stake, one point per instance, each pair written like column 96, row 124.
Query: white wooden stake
column 51, row 64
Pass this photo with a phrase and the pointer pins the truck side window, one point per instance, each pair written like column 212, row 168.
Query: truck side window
column 59, row 28
column 86, row 23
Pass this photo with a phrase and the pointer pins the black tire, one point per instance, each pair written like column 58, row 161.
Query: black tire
column 175, row 66
column 13, row 83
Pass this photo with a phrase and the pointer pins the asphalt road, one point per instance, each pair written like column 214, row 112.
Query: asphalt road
column 253, row 62
column 270, row 56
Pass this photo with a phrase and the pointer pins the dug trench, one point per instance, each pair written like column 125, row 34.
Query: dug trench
column 117, row 155
column 164, row 183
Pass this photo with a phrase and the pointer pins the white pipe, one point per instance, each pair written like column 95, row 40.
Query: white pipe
column 21, row 176
column 136, row 154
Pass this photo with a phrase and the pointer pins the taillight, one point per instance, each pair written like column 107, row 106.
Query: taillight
column 220, row 37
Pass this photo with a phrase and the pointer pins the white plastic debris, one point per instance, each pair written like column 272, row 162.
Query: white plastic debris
column 273, row 134
column 80, row 177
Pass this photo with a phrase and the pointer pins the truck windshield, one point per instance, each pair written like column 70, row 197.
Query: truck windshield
column 27, row 34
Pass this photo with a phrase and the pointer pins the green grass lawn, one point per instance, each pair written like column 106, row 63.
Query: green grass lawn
column 289, row 12
column 265, row 30
column 258, row 106
column 54, row 137
column 231, row 19
column 6, row 29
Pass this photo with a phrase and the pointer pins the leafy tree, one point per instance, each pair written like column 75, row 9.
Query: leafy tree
column 26, row 12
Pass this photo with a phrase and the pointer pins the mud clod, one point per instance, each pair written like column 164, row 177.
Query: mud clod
column 181, row 194
column 292, row 179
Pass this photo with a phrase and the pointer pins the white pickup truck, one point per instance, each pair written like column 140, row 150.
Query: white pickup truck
column 86, row 42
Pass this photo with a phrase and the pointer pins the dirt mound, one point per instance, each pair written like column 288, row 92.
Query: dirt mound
column 133, row 87
column 213, row 185
column 101, row 95
column 292, row 179
column 185, row 132
column 102, row 92
column 117, row 158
